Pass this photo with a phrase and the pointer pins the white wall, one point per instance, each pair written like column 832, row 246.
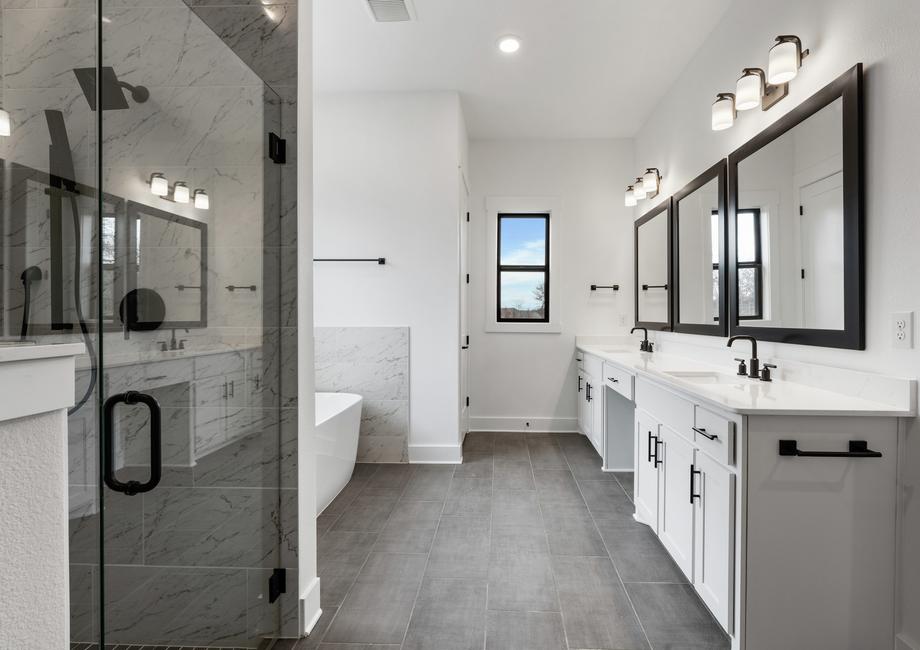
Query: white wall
column 387, row 185
column 882, row 35
column 517, row 377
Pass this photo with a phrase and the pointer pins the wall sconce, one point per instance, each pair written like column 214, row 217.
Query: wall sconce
column 651, row 182
column 639, row 189
column 180, row 192
column 752, row 91
column 723, row 111
column 785, row 59
column 202, row 202
column 159, row 186
column 630, row 200
column 6, row 124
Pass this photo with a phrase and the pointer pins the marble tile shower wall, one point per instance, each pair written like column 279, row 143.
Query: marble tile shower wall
column 374, row 363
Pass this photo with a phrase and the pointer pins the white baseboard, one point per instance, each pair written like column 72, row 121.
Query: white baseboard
column 543, row 425
column 436, row 454
column 902, row 642
column 310, row 610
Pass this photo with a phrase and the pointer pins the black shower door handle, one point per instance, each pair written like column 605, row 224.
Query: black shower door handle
column 156, row 455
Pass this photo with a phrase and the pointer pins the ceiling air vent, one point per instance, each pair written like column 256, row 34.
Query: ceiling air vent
column 390, row 11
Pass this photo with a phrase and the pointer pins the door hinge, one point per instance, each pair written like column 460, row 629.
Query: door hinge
column 467, row 401
column 277, row 584
column 467, row 340
column 467, row 216
column 801, row 210
column 467, row 278
column 803, row 274
column 277, row 149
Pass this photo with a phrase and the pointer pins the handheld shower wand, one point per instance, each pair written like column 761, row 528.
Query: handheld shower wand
column 30, row 275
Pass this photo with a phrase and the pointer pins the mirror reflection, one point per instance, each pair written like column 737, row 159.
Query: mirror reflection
column 790, row 227
column 652, row 290
column 698, row 226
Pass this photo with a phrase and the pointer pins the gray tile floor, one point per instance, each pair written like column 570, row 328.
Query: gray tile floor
column 527, row 545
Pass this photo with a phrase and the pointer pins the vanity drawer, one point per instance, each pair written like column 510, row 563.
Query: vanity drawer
column 714, row 435
column 669, row 408
column 619, row 380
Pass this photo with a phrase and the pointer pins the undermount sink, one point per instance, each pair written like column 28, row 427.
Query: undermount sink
column 704, row 377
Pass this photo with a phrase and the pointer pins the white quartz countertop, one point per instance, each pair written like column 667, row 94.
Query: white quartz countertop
column 30, row 351
column 852, row 394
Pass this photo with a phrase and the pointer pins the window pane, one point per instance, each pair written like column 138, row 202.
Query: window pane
column 522, row 295
column 747, row 292
column 108, row 240
column 714, row 231
column 715, row 294
column 523, row 241
column 747, row 237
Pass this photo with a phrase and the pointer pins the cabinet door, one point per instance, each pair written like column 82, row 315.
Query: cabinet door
column 714, row 561
column 582, row 404
column 675, row 516
column 598, row 393
column 646, row 478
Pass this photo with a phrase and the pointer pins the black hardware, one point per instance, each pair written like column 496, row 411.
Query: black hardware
column 234, row 287
column 694, row 495
column 380, row 260
column 588, row 392
column 645, row 345
column 183, row 287
column 652, row 455
column 467, row 401
column 703, row 433
column 765, row 373
column 277, row 149
column 613, row 380
column 857, row 449
column 156, row 457
column 646, row 287
column 467, row 278
column 464, row 347
column 595, row 287
column 803, row 274
column 580, row 378
column 277, row 584
column 742, row 366
column 467, row 216
column 658, row 460
column 754, row 370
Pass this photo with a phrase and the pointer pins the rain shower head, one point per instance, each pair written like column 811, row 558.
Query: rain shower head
column 113, row 97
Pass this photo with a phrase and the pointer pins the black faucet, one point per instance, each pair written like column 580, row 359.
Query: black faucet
column 646, row 345
column 753, row 371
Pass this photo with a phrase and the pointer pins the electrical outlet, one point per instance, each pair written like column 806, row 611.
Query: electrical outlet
column 902, row 330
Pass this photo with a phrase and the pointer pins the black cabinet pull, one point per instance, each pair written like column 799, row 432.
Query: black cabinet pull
column 652, row 455
column 588, row 392
column 857, row 449
column 658, row 461
column 694, row 495
column 580, row 378
column 156, row 455
column 703, row 433
column 613, row 380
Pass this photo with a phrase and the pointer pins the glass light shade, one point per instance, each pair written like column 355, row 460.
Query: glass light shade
column 723, row 113
column 181, row 193
column 630, row 197
column 6, row 125
column 650, row 182
column 639, row 190
column 202, row 202
column 785, row 60
column 748, row 92
column 159, row 185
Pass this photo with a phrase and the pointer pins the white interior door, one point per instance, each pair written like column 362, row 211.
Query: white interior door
column 822, row 253
column 464, row 306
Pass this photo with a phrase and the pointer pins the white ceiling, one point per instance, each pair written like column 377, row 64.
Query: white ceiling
column 587, row 68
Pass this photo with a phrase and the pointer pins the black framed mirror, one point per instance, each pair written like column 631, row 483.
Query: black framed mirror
column 698, row 229
column 795, row 226
column 653, row 268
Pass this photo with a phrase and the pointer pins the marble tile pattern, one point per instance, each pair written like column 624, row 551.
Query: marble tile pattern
column 374, row 363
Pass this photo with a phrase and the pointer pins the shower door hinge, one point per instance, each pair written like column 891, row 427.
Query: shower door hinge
column 277, row 584
column 277, row 149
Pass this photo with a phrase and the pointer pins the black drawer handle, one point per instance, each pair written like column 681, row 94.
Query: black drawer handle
column 613, row 379
column 693, row 495
column 108, row 430
column 857, row 449
column 703, row 433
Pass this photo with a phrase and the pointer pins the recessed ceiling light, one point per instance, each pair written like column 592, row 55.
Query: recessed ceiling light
column 509, row 44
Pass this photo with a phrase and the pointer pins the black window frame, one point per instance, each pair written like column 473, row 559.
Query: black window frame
column 757, row 265
column 522, row 268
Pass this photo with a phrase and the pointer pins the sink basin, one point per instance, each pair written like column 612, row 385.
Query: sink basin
column 704, row 377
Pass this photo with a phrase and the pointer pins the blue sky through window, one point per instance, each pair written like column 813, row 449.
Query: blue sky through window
column 523, row 241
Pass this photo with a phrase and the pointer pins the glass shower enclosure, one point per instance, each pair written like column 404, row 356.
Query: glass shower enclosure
column 141, row 217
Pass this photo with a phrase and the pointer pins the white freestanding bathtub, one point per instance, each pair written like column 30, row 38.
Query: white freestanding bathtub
column 338, row 420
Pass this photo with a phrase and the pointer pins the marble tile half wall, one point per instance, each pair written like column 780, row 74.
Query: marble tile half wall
column 374, row 363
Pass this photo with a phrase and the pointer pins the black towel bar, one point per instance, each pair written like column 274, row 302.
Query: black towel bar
column 646, row 287
column 595, row 287
column 857, row 449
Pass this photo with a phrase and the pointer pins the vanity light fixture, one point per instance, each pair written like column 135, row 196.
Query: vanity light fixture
column 785, row 59
column 651, row 182
column 630, row 200
column 180, row 192
column 639, row 190
column 159, row 185
column 723, row 111
column 749, row 90
column 6, row 124
column 202, row 202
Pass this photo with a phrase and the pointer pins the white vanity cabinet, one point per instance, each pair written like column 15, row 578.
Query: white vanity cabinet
column 590, row 399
